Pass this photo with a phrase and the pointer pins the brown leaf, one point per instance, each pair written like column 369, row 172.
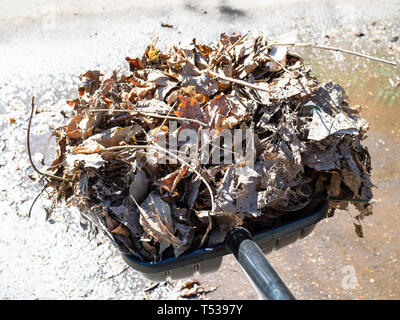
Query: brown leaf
column 189, row 108
column 171, row 74
column 122, row 230
column 193, row 288
column 334, row 188
column 73, row 103
column 191, row 91
column 138, row 82
column 190, row 283
column 73, row 131
column 358, row 229
column 114, row 136
column 88, row 147
column 152, row 53
column 129, row 218
column 204, row 50
column 218, row 111
column 108, row 138
column 157, row 132
column 139, row 185
column 91, row 82
column 134, row 64
column 204, row 83
column 62, row 144
column 170, row 181
column 166, row 25
column 141, row 93
column 111, row 223
column 155, row 218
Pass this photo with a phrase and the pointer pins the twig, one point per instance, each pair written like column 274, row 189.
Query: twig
column 36, row 198
column 29, row 148
column 149, row 114
column 315, row 45
column 120, row 118
column 237, row 81
column 365, row 200
column 152, row 287
column 56, row 165
column 115, row 275
column 116, row 148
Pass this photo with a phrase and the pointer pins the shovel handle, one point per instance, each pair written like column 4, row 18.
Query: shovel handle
column 262, row 275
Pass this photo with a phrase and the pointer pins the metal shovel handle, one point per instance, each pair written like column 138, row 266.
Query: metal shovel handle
column 262, row 275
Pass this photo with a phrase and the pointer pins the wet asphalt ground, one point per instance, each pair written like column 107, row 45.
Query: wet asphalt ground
column 46, row 45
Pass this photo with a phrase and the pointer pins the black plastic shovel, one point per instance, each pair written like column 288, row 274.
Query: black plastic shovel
column 249, row 251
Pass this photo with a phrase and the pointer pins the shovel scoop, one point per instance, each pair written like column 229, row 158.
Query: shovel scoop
column 248, row 249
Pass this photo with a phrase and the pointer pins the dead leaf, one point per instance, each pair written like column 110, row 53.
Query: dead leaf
column 134, row 64
column 323, row 125
column 358, row 230
column 90, row 82
column 166, row 25
column 139, row 186
column 122, row 230
column 192, row 288
column 170, row 181
column 129, row 218
column 73, row 131
column 155, row 217
column 189, row 108
column 217, row 111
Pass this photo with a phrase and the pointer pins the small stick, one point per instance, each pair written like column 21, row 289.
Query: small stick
column 149, row 114
column 36, row 198
column 315, row 45
column 121, row 118
column 151, row 287
column 237, row 81
column 115, row 275
column 29, row 148
column 351, row 199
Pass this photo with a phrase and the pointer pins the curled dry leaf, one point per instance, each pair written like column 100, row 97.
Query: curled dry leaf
column 218, row 110
column 189, row 108
column 89, row 146
column 90, row 82
column 194, row 288
column 134, row 64
column 170, row 181
column 155, row 217
column 122, row 230
column 139, row 186
column 73, row 130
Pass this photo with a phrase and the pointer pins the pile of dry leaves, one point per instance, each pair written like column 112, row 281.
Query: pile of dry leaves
column 156, row 203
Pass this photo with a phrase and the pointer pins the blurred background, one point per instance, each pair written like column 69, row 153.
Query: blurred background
column 46, row 45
